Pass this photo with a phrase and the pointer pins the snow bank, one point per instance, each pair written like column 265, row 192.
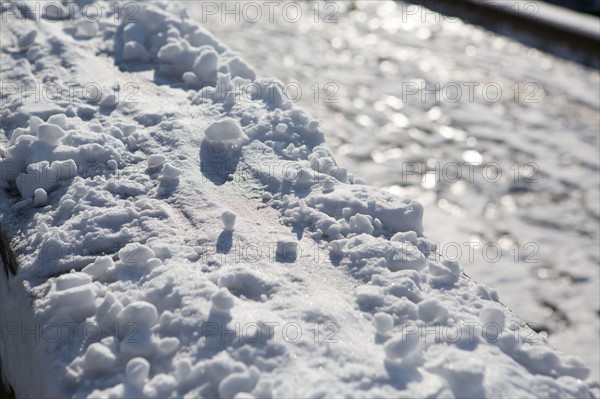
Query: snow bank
column 133, row 282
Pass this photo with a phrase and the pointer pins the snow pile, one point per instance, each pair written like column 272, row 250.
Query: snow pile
column 195, row 244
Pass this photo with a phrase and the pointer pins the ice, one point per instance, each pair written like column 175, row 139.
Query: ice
column 228, row 218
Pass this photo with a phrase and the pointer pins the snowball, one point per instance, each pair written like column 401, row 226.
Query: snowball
column 34, row 122
column 492, row 316
column 169, row 172
column 169, row 52
column 112, row 164
column 238, row 67
column 86, row 112
column 328, row 185
column 141, row 313
column 183, row 368
column 361, row 224
column 369, row 296
column 446, row 273
column 136, row 254
column 402, row 346
column 156, row 160
column 432, row 310
column 98, row 358
column 18, row 132
column 110, row 101
column 71, row 280
column 49, row 133
column 168, row 346
column 384, row 323
column 190, row 79
column 235, row 383
column 40, row 197
column 137, row 371
column 281, row 128
column 134, row 51
column 409, row 236
column 58, row 120
column 163, row 384
column 205, row 66
column 228, row 219
column 287, row 249
column 25, row 41
column 224, row 130
column 99, row 267
column 222, row 300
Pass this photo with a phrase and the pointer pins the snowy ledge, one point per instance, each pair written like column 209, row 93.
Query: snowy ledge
column 176, row 240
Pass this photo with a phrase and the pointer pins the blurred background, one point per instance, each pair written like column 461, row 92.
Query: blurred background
column 589, row 6
column 488, row 116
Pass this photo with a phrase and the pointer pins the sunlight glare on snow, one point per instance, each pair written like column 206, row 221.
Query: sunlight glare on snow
column 472, row 157
column 429, row 181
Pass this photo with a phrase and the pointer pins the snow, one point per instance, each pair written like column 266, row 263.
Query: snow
column 99, row 358
column 228, row 218
column 326, row 287
column 373, row 54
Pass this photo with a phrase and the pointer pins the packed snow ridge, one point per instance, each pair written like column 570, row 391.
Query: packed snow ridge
column 202, row 244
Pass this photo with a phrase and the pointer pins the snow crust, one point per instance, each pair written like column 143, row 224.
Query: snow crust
column 136, row 284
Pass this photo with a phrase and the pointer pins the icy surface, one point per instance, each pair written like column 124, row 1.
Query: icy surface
column 127, row 277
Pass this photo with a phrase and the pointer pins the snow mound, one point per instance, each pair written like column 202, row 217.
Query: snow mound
column 137, row 284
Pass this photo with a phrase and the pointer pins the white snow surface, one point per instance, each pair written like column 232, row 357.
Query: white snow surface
column 128, row 284
column 402, row 94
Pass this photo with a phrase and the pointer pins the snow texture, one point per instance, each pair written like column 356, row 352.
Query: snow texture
column 132, row 287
